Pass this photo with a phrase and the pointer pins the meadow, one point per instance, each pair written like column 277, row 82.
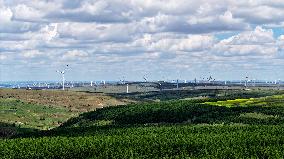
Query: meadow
column 22, row 114
column 244, row 124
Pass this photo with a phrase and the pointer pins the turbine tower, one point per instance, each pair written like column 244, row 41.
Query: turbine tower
column 246, row 81
column 62, row 74
column 127, row 88
column 177, row 83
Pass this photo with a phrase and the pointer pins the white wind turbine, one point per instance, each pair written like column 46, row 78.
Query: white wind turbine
column 145, row 78
column 63, row 75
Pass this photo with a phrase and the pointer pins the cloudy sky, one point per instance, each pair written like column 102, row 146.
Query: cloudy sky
column 163, row 39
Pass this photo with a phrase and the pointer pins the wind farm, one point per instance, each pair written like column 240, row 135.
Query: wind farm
column 157, row 85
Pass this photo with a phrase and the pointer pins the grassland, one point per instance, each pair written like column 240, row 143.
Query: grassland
column 22, row 114
column 235, row 125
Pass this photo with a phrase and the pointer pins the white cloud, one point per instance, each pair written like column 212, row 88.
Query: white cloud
column 16, row 45
column 186, row 44
column 8, row 25
column 3, row 57
column 24, row 12
column 94, row 8
column 75, row 55
column 280, row 41
column 5, row 15
column 258, row 42
column 150, row 8
column 96, row 32
column 260, row 14
column 32, row 54
column 153, row 35
column 48, row 32
column 195, row 43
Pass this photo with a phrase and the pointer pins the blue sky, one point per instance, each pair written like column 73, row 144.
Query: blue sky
column 163, row 39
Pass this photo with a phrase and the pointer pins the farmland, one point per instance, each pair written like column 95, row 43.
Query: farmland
column 199, row 141
column 219, row 124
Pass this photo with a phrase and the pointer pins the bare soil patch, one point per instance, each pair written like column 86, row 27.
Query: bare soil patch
column 73, row 101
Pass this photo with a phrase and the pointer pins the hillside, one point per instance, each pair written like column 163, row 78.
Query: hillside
column 76, row 102
column 33, row 110
column 196, row 128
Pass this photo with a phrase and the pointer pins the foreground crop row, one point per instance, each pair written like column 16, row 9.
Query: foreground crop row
column 215, row 141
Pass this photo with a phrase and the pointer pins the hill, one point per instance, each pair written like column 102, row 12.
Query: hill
column 224, row 127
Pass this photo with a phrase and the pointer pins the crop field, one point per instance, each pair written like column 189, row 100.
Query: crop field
column 234, row 124
column 199, row 141
column 277, row 100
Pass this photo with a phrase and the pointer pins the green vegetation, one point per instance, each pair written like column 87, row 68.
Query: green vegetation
column 28, row 115
column 277, row 100
column 235, row 125
column 166, row 95
column 200, row 141
column 9, row 130
column 194, row 111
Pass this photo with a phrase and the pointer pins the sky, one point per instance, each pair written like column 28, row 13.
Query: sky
column 159, row 39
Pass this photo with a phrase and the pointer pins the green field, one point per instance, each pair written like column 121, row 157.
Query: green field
column 243, row 125
column 27, row 115
column 179, row 141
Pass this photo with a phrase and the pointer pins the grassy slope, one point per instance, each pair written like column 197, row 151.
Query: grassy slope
column 27, row 115
column 192, row 111
column 28, row 110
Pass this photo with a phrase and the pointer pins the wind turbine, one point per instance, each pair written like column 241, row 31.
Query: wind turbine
column 122, row 80
column 62, row 74
column 246, row 81
column 145, row 78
